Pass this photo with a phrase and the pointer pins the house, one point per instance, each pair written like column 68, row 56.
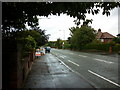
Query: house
column 104, row 36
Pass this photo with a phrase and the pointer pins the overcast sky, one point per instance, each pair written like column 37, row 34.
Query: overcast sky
column 58, row 26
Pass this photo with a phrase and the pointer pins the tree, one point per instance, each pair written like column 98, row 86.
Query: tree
column 59, row 43
column 38, row 35
column 17, row 14
column 87, row 21
column 42, row 39
column 72, row 30
column 82, row 36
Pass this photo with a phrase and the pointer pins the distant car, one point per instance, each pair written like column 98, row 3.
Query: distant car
column 47, row 49
column 42, row 50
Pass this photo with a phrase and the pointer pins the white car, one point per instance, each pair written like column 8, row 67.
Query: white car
column 37, row 53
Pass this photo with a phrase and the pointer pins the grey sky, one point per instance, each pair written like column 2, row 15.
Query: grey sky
column 58, row 26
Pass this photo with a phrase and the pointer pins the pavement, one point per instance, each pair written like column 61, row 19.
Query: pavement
column 48, row 72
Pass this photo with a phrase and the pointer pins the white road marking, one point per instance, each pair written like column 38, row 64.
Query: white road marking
column 82, row 56
column 103, row 61
column 104, row 78
column 71, row 69
column 65, row 64
column 62, row 56
column 73, row 63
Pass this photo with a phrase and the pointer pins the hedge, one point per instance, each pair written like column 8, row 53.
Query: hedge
column 102, row 46
column 116, row 47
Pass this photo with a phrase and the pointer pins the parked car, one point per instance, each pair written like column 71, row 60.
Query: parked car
column 42, row 50
column 47, row 49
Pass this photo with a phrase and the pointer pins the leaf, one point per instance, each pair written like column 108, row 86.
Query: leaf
column 89, row 11
column 92, row 12
column 103, row 12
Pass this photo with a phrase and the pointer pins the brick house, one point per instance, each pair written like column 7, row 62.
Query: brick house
column 104, row 37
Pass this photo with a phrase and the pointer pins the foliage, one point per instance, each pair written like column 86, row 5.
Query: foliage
column 116, row 40
column 17, row 14
column 95, row 41
column 102, row 46
column 116, row 47
column 59, row 43
column 51, row 44
column 72, row 30
column 38, row 35
column 29, row 39
column 98, row 46
column 82, row 36
column 29, row 43
column 67, row 46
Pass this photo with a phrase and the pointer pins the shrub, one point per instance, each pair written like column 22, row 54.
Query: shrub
column 102, row 46
column 67, row 46
column 28, row 43
column 116, row 47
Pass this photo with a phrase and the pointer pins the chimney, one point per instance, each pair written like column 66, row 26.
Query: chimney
column 99, row 30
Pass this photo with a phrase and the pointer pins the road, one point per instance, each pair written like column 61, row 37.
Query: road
column 99, row 70
column 49, row 72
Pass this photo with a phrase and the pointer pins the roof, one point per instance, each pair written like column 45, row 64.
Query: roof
column 118, row 34
column 99, row 34
column 102, row 35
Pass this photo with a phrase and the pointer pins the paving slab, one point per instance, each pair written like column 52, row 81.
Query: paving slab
column 48, row 72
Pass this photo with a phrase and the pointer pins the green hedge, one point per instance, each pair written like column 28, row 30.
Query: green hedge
column 103, row 47
column 67, row 46
column 116, row 47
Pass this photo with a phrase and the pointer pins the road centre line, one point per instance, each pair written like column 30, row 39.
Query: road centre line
column 72, row 69
column 82, row 56
column 103, row 61
column 103, row 78
column 62, row 56
column 73, row 63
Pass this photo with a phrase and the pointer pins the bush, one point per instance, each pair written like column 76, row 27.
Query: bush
column 116, row 48
column 102, row 46
column 67, row 46
column 28, row 44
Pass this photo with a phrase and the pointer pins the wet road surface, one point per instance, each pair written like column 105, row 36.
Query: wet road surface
column 49, row 71
column 99, row 70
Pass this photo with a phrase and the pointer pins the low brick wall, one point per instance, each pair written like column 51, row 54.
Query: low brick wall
column 23, row 72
